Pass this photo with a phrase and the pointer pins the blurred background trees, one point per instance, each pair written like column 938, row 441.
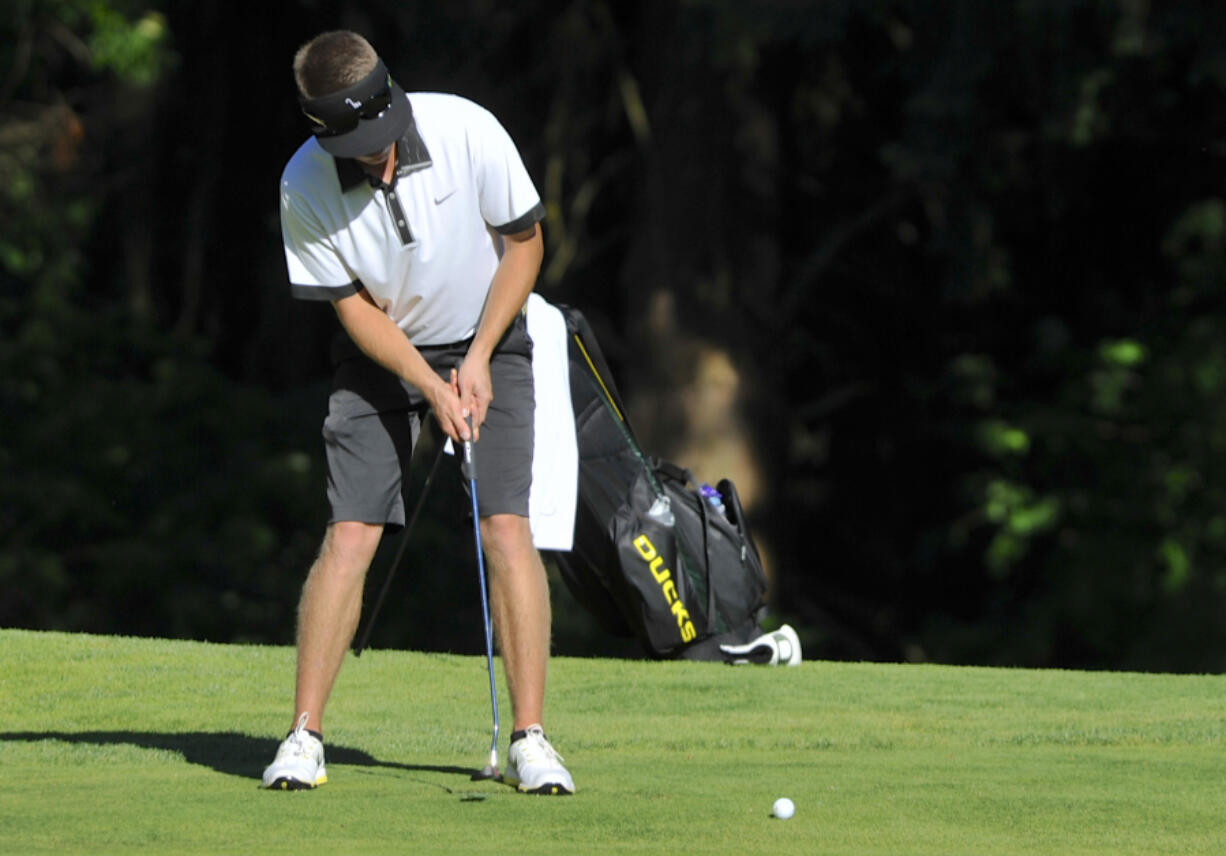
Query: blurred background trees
column 939, row 284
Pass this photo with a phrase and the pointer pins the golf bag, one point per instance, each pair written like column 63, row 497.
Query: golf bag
column 653, row 556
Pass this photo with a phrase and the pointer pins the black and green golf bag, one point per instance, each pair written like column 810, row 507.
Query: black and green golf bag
column 652, row 557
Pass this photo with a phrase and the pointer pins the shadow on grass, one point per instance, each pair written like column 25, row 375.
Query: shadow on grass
column 223, row 751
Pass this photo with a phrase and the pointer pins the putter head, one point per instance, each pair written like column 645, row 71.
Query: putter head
column 486, row 772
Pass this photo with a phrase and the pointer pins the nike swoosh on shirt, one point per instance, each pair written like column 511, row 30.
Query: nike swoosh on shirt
column 439, row 200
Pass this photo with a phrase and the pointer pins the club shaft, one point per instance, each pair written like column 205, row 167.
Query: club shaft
column 485, row 602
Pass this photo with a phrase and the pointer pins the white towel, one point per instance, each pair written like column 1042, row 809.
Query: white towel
column 555, row 459
column 555, row 447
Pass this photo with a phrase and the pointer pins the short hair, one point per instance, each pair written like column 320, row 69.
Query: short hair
column 331, row 62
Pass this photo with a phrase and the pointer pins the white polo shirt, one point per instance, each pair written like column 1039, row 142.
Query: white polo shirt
column 420, row 247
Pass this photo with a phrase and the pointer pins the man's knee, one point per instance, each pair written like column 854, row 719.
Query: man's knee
column 351, row 544
column 506, row 534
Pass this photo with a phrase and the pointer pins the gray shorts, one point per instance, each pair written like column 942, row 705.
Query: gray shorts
column 374, row 419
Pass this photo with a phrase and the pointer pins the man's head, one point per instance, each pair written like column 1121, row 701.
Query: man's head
column 354, row 106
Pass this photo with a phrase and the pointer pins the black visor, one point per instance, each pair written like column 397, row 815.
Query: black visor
column 362, row 119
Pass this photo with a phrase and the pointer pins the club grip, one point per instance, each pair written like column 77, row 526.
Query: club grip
column 469, row 466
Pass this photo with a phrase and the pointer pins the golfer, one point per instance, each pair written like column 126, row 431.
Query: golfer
column 415, row 217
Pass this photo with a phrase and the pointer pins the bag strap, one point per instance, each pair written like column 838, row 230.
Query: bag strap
column 605, row 397
column 706, row 560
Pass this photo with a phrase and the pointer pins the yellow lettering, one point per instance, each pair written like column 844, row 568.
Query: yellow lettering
column 660, row 575
column 668, row 588
column 683, row 614
column 670, row 591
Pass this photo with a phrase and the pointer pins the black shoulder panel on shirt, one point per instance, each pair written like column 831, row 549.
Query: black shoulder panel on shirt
column 524, row 223
column 324, row 292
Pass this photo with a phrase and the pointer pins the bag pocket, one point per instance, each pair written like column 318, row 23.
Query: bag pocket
column 654, row 591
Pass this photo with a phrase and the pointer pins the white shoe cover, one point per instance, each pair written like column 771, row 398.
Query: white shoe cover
column 778, row 648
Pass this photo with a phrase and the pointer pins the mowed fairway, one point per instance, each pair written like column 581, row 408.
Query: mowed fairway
column 115, row 745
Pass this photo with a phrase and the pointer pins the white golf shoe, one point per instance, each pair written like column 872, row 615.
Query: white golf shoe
column 534, row 767
column 778, row 648
column 299, row 764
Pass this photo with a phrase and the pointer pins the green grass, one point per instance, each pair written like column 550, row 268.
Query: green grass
column 114, row 745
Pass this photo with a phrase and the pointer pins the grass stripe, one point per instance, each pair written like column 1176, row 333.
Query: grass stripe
column 118, row 745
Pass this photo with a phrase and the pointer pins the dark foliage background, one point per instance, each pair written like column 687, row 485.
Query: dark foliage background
column 939, row 282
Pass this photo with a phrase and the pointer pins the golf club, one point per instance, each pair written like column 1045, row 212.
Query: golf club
column 404, row 542
column 490, row 771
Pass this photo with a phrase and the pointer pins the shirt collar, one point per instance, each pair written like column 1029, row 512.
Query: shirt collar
column 411, row 155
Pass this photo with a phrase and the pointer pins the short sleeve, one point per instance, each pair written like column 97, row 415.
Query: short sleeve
column 316, row 270
column 508, row 198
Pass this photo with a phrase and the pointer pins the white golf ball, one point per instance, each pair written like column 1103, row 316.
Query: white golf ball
column 783, row 808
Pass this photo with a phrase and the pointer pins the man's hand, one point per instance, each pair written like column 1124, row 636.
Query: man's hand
column 445, row 405
column 475, row 390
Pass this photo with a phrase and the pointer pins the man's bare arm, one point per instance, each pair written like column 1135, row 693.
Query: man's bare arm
column 385, row 343
column 513, row 281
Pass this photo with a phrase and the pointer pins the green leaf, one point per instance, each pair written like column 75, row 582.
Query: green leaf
column 136, row 52
column 1178, row 566
column 1126, row 353
column 1000, row 439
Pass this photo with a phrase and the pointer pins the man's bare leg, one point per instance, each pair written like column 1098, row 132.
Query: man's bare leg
column 329, row 611
column 519, row 596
